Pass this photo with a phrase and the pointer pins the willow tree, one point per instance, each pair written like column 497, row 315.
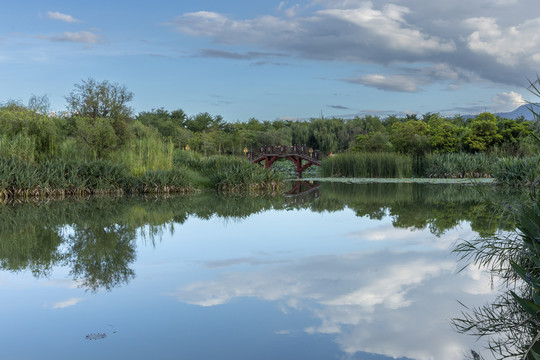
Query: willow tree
column 104, row 100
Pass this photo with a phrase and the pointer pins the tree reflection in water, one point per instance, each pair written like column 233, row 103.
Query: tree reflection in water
column 96, row 238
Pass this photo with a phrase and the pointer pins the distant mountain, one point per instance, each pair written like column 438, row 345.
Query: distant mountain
column 523, row 110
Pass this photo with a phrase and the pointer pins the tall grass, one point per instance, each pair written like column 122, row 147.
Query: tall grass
column 20, row 146
column 144, row 154
column 458, row 165
column 59, row 177
column 517, row 171
column 508, row 171
column 230, row 173
column 189, row 172
column 391, row 165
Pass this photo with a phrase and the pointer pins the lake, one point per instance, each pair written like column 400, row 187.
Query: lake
column 331, row 271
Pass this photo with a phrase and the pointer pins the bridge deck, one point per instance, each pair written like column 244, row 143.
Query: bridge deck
column 297, row 154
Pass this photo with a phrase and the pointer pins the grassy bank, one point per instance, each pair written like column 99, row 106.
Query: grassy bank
column 190, row 172
column 506, row 170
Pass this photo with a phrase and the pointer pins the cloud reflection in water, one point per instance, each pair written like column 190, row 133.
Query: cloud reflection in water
column 393, row 300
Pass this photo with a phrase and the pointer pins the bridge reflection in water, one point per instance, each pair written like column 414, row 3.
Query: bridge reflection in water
column 302, row 156
column 303, row 192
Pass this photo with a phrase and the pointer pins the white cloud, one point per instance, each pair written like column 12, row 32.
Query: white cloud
column 509, row 100
column 61, row 17
column 392, row 286
column 86, row 37
column 389, row 26
column 292, row 11
column 398, row 83
column 67, row 303
column 498, row 43
column 358, row 34
column 511, row 46
column 360, row 298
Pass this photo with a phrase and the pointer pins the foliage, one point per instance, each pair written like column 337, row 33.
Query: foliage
column 231, row 174
column 145, row 152
column 411, row 137
column 98, row 126
column 458, row 165
column 373, row 142
column 93, row 99
column 97, row 135
column 102, row 101
column 17, row 121
column 165, row 122
column 512, row 322
column 516, row 171
column 444, row 136
column 368, row 165
column 483, row 133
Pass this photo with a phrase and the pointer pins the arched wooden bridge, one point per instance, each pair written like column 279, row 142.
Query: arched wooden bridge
column 302, row 156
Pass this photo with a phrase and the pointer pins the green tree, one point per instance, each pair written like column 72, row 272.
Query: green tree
column 204, row 121
column 103, row 99
column 483, row 133
column 16, row 120
column 299, row 132
column 92, row 99
column 373, row 142
column 39, row 104
column 410, row 137
column 97, row 134
column 443, row 135
column 167, row 123
column 367, row 124
column 514, row 135
column 323, row 134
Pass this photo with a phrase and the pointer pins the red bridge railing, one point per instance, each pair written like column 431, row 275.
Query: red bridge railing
column 301, row 155
column 284, row 150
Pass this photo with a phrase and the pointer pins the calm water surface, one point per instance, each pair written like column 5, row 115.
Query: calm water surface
column 339, row 272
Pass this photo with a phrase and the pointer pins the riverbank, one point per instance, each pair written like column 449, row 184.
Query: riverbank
column 513, row 171
column 189, row 174
column 403, row 181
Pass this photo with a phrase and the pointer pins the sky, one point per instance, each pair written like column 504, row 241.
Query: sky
column 277, row 59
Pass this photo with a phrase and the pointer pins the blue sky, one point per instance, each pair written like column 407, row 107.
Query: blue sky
column 277, row 59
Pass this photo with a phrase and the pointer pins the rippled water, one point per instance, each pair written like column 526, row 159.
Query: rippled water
column 339, row 272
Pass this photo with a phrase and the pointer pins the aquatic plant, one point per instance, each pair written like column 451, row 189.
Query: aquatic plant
column 368, row 165
column 458, row 165
column 512, row 322
column 516, row 171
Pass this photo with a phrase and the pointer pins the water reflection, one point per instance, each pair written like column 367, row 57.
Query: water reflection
column 510, row 323
column 365, row 266
column 96, row 237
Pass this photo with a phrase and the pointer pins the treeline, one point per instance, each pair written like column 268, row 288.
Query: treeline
column 99, row 125
column 430, row 133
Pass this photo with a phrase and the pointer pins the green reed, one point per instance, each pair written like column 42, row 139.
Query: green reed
column 378, row 165
column 144, row 154
column 19, row 145
column 458, row 165
column 516, row 171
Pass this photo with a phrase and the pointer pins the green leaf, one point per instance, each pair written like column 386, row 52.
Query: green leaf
column 536, row 261
column 536, row 297
column 527, row 305
column 529, row 279
column 535, row 355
